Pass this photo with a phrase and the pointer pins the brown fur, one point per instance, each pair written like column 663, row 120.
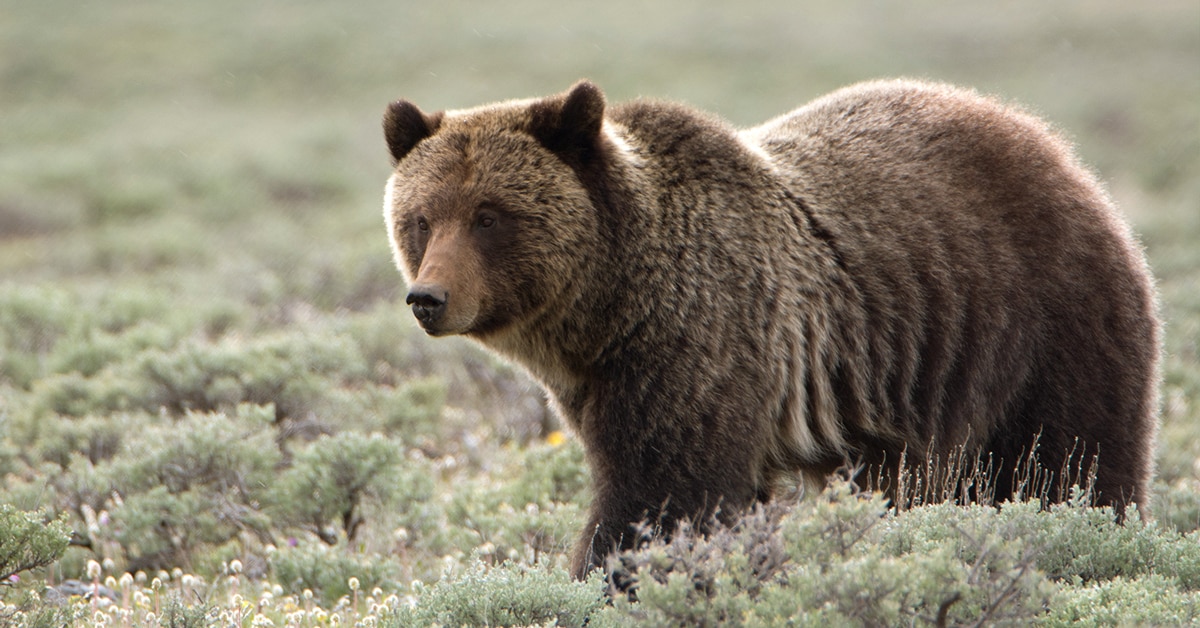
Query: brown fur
column 896, row 269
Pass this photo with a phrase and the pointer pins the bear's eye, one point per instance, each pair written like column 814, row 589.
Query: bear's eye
column 487, row 221
column 422, row 224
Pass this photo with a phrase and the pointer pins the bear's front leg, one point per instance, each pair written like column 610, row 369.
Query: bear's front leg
column 614, row 526
column 596, row 542
column 639, row 500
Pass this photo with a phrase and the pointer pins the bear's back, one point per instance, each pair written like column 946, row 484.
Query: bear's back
column 992, row 274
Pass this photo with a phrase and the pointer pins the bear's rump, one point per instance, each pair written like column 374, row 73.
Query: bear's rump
column 989, row 292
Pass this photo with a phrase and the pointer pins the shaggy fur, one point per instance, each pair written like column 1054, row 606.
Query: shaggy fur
column 894, row 271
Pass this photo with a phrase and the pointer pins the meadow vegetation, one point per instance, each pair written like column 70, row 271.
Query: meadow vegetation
column 215, row 408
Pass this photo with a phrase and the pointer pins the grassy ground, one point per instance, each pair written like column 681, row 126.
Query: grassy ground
column 203, row 357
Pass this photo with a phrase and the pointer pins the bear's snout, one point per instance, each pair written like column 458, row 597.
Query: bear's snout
column 428, row 304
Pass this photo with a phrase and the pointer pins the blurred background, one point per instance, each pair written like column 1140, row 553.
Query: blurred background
column 132, row 113
column 190, row 224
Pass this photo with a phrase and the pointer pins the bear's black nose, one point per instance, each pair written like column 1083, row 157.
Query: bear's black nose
column 428, row 303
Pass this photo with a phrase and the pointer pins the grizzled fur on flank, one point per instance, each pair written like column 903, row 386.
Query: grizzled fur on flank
column 898, row 269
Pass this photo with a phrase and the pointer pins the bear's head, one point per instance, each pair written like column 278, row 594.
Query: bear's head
column 487, row 211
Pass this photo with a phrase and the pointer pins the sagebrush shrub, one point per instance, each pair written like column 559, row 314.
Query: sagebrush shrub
column 847, row 558
column 290, row 372
column 533, row 516
column 510, row 594
column 1152, row 600
column 29, row 541
column 182, row 485
column 330, row 479
column 327, row 570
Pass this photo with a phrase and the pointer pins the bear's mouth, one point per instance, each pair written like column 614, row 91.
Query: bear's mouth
column 430, row 326
column 431, row 330
column 439, row 326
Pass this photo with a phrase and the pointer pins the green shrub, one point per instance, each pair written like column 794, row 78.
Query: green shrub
column 31, row 611
column 1151, row 600
column 216, row 450
column 815, row 565
column 178, row 614
column 58, row 331
column 413, row 408
column 847, row 559
column 387, row 343
column 27, row 541
column 1079, row 544
column 330, row 479
column 326, row 570
column 87, row 356
column 97, row 438
column 536, row 514
column 90, row 352
column 290, row 371
column 409, row 411
column 510, row 594
column 1177, row 505
column 552, row 474
column 32, row 320
column 74, row 395
column 76, row 488
column 190, row 483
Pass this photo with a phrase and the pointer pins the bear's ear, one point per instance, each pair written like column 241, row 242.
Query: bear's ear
column 404, row 125
column 569, row 122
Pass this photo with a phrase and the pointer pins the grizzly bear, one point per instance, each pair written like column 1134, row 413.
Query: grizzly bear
column 890, row 274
